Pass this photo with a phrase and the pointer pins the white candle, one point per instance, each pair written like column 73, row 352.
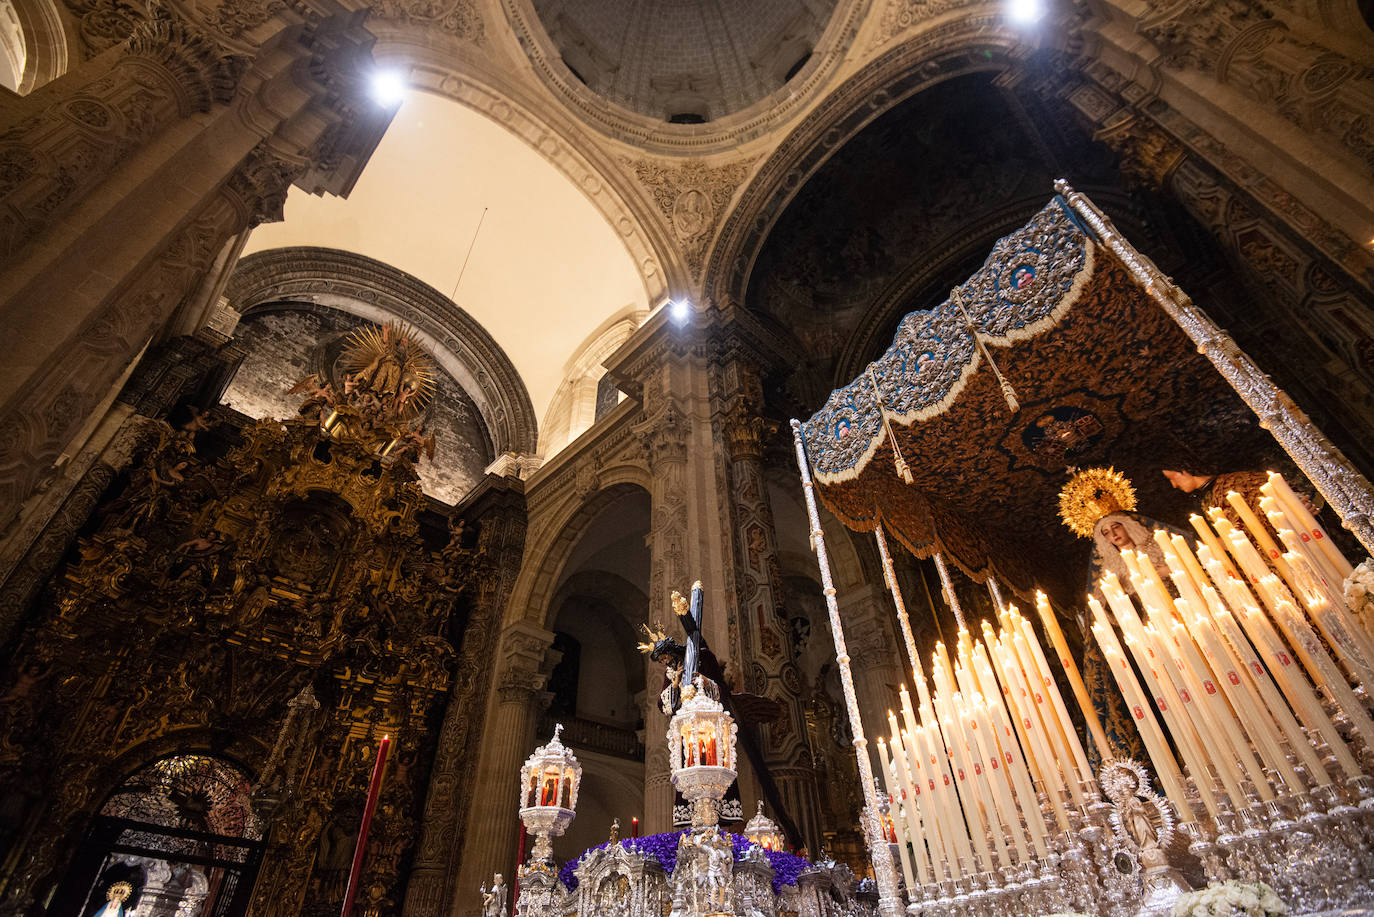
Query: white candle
column 1166, row 767
column 1080, row 690
column 900, row 819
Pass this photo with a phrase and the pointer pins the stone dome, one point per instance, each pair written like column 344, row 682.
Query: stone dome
column 685, row 61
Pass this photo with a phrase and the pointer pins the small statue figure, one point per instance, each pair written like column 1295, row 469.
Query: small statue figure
column 615, row 831
column 494, row 899
column 115, row 896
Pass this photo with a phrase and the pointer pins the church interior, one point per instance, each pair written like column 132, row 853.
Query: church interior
column 686, row 458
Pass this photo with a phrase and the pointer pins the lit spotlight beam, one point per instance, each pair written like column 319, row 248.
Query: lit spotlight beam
column 388, row 87
column 1025, row 12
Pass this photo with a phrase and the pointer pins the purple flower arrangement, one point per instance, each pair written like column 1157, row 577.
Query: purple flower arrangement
column 663, row 848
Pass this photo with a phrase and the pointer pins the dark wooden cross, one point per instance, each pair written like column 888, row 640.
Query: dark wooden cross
column 691, row 625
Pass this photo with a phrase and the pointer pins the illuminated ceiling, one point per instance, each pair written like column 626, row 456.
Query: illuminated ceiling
column 546, row 269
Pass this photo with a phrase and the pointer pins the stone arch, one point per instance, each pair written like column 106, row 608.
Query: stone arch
column 560, row 529
column 463, row 78
column 375, row 291
column 921, row 280
column 576, row 402
column 48, row 46
column 977, row 41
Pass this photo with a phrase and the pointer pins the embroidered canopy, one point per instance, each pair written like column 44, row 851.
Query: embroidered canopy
column 1102, row 376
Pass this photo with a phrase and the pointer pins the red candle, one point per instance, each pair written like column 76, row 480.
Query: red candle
column 519, row 862
column 374, row 789
column 634, row 827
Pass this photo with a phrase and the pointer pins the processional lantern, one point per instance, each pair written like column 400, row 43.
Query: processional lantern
column 763, row 831
column 701, row 750
column 548, row 794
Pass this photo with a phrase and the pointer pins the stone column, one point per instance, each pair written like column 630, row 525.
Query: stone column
column 106, row 274
column 493, row 831
column 764, row 637
column 434, row 876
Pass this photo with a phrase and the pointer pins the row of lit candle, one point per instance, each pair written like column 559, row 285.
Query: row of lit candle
column 1235, row 720
column 963, row 772
column 551, row 786
column 699, row 744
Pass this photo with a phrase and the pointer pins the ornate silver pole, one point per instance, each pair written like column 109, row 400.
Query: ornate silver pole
column 889, row 898
column 1348, row 491
column 948, row 585
column 996, row 591
column 890, row 576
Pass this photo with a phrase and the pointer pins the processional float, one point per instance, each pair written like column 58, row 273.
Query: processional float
column 700, row 872
column 1243, row 668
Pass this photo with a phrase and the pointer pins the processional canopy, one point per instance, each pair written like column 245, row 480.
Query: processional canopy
column 926, row 443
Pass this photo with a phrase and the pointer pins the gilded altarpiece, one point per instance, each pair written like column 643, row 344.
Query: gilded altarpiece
column 237, row 568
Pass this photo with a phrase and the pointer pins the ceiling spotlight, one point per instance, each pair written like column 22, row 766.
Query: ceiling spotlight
column 679, row 310
column 388, row 88
column 1025, row 12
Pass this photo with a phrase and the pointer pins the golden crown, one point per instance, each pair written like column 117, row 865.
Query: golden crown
column 654, row 635
column 1091, row 494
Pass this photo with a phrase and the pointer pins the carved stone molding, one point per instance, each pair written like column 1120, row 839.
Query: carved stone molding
column 459, row 18
column 1241, row 44
column 348, row 281
column 977, row 41
column 652, row 134
column 693, row 197
column 901, row 16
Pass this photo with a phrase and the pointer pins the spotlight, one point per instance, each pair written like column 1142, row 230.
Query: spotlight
column 679, row 310
column 388, row 88
column 1025, row 12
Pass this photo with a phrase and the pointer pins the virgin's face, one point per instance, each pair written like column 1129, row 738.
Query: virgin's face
column 1115, row 532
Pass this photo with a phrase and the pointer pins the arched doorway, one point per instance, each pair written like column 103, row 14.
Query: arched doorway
column 178, row 838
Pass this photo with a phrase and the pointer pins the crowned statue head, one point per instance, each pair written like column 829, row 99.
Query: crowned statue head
column 1099, row 503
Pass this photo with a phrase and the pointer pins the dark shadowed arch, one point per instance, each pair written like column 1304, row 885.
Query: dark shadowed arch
column 373, row 290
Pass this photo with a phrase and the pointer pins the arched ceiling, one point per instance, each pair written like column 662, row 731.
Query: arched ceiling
column 684, row 61
column 546, row 269
column 911, row 205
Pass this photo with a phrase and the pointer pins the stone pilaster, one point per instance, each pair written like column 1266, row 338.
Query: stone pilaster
column 493, row 831
column 499, row 510
column 665, row 435
column 763, row 633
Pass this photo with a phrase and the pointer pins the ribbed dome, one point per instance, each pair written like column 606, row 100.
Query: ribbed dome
column 685, row 61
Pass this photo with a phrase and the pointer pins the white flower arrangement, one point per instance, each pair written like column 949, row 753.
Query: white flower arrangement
column 1230, row 899
column 1359, row 592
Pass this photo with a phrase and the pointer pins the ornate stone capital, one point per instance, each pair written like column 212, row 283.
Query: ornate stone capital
column 526, row 659
column 1149, row 154
column 664, row 436
column 193, row 61
column 746, row 432
column 260, row 185
column 693, row 198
